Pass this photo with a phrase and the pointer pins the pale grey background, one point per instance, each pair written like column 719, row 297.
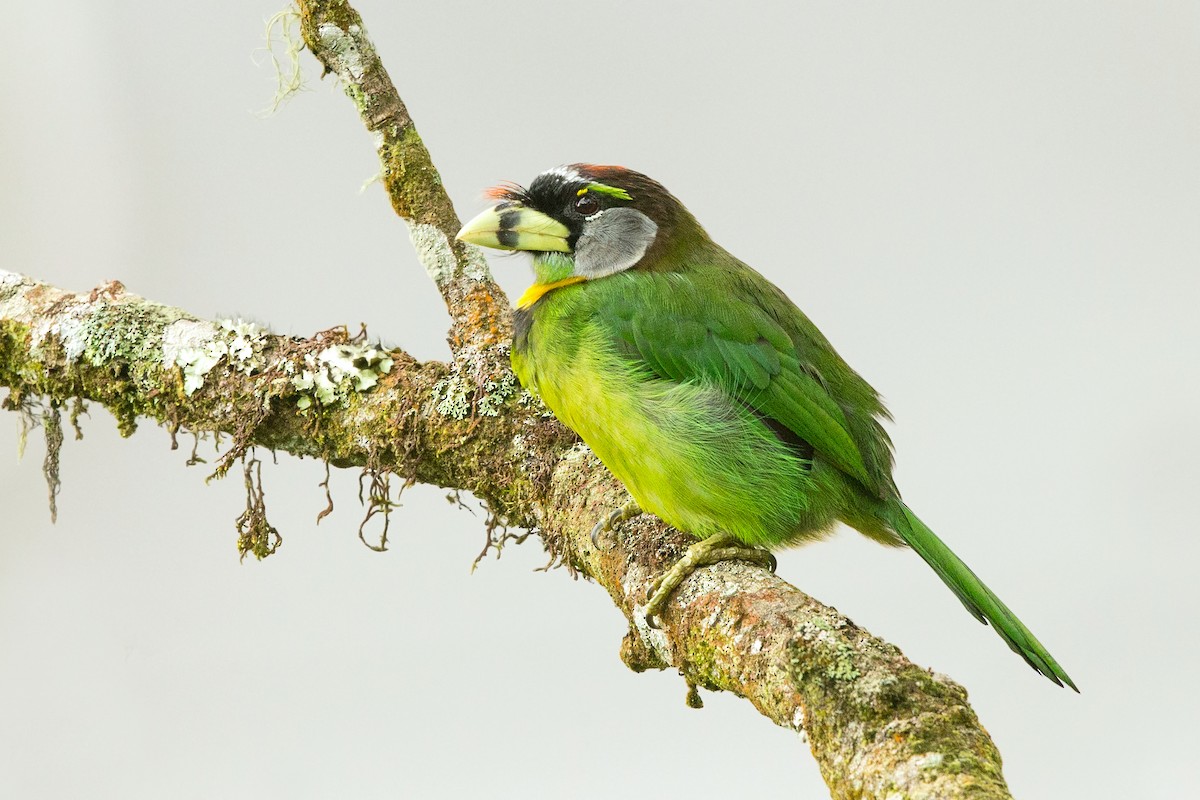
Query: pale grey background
column 993, row 213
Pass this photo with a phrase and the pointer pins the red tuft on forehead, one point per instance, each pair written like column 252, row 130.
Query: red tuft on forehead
column 506, row 190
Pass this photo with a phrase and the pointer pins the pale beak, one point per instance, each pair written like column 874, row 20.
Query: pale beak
column 512, row 226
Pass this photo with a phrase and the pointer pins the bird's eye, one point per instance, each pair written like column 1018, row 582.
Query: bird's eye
column 586, row 205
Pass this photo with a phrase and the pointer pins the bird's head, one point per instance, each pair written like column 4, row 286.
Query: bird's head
column 581, row 221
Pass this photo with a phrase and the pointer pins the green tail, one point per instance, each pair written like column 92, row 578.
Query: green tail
column 975, row 595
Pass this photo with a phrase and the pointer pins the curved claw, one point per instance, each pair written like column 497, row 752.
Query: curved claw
column 616, row 517
column 656, row 598
column 600, row 527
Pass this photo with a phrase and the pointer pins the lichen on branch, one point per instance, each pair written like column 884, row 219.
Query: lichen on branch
column 332, row 396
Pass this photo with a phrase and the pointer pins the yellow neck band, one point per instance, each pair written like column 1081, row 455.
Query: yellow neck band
column 537, row 290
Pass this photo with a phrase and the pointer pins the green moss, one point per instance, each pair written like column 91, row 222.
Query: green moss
column 902, row 713
column 830, row 656
column 14, row 369
column 409, row 174
column 356, row 94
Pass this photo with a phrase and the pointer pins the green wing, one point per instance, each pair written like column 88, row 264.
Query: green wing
column 731, row 329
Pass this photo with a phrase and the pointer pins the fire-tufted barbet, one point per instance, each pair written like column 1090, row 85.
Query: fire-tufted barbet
column 701, row 386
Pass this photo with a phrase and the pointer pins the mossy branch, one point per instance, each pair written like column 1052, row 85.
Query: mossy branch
column 335, row 34
column 308, row 397
column 878, row 725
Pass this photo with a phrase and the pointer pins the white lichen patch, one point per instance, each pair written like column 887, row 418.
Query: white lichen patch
column 184, row 335
column 723, row 579
column 453, row 397
column 496, row 393
column 927, row 761
column 581, row 452
column 434, row 250
column 656, row 640
column 436, row 253
column 195, row 363
column 332, row 375
column 531, row 401
column 245, row 346
column 67, row 325
column 10, row 279
column 872, row 685
column 475, row 266
column 13, row 302
column 842, row 667
column 908, row 773
column 480, row 382
column 343, row 47
column 197, row 347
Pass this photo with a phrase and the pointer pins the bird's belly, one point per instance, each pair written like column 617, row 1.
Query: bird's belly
column 685, row 451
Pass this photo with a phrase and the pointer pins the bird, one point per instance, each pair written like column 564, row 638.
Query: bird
column 698, row 383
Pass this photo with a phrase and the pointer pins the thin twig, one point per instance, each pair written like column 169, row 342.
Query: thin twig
column 334, row 32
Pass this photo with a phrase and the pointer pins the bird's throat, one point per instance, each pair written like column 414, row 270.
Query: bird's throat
column 539, row 290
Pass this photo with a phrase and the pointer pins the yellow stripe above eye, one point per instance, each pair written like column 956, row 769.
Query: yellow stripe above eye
column 538, row 290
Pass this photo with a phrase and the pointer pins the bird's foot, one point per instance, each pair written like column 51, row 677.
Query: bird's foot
column 606, row 524
column 719, row 547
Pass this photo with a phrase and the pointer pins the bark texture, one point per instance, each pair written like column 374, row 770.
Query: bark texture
column 879, row 726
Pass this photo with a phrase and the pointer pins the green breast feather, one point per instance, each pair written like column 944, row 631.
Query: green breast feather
column 677, row 395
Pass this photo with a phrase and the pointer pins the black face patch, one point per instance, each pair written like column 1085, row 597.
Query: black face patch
column 573, row 195
column 557, row 192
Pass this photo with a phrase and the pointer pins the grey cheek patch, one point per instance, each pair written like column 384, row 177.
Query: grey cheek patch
column 613, row 242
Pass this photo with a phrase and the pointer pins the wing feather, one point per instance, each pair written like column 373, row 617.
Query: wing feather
column 683, row 333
